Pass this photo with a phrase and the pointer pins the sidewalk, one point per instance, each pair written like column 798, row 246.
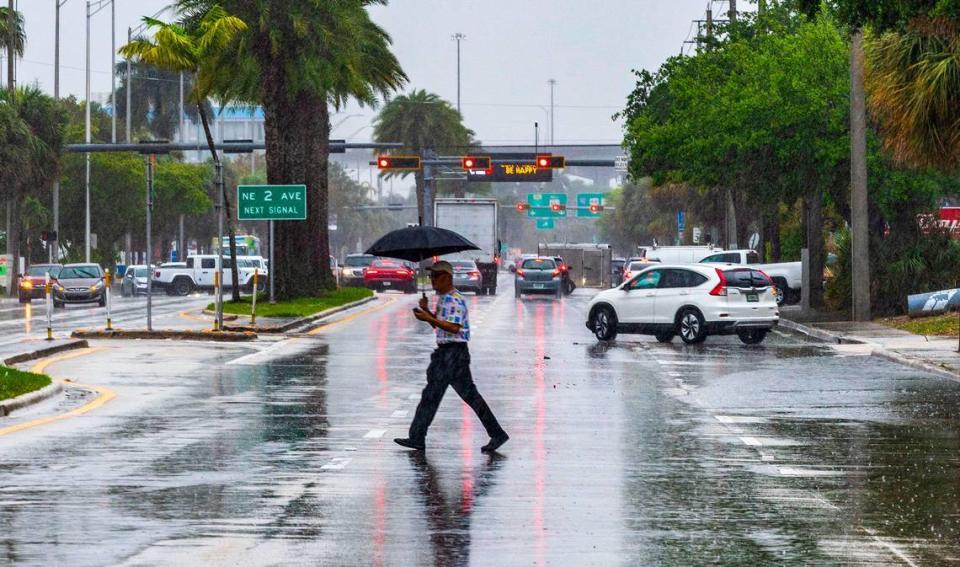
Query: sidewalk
column 933, row 354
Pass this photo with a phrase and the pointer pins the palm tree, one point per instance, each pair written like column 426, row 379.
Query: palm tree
column 297, row 59
column 421, row 121
column 913, row 89
column 155, row 100
column 20, row 34
column 194, row 49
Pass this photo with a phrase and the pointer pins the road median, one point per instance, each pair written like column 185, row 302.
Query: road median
column 293, row 314
column 166, row 334
column 19, row 389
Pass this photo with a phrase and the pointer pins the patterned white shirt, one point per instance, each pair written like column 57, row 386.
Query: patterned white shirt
column 452, row 307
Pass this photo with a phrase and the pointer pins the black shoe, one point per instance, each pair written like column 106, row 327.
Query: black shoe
column 495, row 443
column 411, row 444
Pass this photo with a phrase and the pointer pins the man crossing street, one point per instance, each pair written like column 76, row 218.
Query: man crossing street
column 449, row 363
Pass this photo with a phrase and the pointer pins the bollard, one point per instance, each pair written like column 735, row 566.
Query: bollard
column 216, row 291
column 48, row 300
column 106, row 290
column 253, row 302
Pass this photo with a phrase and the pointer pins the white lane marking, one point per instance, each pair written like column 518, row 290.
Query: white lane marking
column 767, row 458
column 245, row 359
column 752, row 441
column 728, row 419
column 375, row 434
column 893, row 549
column 400, row 413
column 674, row 374
column 791, row 471
column 336, row 464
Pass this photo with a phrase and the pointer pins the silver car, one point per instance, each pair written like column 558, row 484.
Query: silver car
column 134, row 281
column 466, row 276
column 538, row 275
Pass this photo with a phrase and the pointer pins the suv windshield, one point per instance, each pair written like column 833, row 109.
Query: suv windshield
column 539, row 264
column 80, row 272
column 359, row 261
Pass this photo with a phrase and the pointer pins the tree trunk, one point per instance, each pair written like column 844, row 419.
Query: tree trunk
column 859, row 202
column 774, row 234
column 297, row 138
column 813, row 239
column 13, row 243
column 227, row 210
column 730, row 221
column 421, row 186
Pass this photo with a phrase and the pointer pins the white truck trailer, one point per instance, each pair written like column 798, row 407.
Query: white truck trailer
column 475, row 220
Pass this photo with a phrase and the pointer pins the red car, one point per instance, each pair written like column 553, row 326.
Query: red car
column 385, row 273
column 31, row 283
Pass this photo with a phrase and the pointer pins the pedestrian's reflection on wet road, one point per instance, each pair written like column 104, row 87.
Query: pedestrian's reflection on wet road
column 449, row 520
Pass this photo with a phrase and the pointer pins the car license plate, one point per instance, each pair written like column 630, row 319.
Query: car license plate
column 387, row 284
column 538, row 286
column 752, row 298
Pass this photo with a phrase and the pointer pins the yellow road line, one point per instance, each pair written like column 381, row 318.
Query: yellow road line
column 105, row 395
column 187, row 315
column 352, row 317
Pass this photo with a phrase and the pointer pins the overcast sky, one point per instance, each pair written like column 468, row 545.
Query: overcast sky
column 512, row 49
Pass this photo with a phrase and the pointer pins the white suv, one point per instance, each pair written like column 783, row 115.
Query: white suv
column 692, row 301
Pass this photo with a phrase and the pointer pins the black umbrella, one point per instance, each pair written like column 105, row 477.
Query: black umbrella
column 417, row 243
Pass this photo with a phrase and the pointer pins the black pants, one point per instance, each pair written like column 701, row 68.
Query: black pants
column 450, row 366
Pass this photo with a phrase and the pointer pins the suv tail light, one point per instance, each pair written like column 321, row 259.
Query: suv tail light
column 521, row 273
column 156, row 274
column 721, row 287
column 557, row 272
column 474, row 275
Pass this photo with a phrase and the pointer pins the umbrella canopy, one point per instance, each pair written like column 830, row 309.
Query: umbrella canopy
column 417, row 243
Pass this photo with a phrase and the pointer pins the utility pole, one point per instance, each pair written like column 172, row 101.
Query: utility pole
column 11, row 45
column 86, row 138
column 732, row 13
column 552, row 83
column 859, row 216
column 458, row 37
column 54, row 246
column 113, row 72
column 129, row 85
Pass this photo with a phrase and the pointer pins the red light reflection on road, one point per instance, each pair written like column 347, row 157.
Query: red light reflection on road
column 379, row 522
column 27, row 316
column 539, row 453
column 466, row 454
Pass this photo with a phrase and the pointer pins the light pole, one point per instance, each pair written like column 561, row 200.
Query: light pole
column 100, row 5
column 458, row 37
column 552, row 83
column 54, row 253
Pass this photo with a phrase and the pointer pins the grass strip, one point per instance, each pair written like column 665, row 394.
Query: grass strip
column 299, row 307
column 15, row 382
column 945, row 325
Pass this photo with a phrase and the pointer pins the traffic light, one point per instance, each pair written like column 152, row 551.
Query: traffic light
column 557, row 207
column 551, row 162
column 407, row 163
column 474, row 163
column 522, row 207
column 595, row 208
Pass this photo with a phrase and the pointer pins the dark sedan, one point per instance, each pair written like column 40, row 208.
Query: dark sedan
column 80, row 283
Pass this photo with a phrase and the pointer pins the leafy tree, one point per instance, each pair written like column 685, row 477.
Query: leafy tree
column 197, row 50
column 155, row 99
column 421, row 121
column 297, row 58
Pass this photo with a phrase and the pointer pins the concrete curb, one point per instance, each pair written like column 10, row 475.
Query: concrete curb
column 302, row 320
column 915, row 362
column 30, row 398
column 45, row 352
column 226, row 316
column 206, row 335
column 816, row 333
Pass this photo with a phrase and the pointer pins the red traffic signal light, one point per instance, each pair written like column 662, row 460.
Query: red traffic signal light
column 522, row 207
column 473, row 163
column 409, row 163
column 557, row 207
column 551, row 162
column 595, row 208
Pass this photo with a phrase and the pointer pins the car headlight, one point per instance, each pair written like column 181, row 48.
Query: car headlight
column 96, row 286
column 26, row 284
column 58, row 287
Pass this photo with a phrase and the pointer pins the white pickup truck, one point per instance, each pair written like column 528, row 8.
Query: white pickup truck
column 198, row 274
column 787, row 276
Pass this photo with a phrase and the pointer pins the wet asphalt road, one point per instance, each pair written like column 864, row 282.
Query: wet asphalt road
column 634, row 453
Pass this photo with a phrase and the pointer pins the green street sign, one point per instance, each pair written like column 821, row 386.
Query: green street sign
column 545, row 224
column 540, row 205
column 584, row 200
column 272, row 202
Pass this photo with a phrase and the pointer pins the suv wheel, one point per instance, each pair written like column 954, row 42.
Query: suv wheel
column 605, row 324
column 752, row 336
column 691, row 327
column 665, row 337
column 516, row 291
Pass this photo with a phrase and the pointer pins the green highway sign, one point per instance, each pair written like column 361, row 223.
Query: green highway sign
column 545, row 224
column 540, row 205
column 584, row 200
column 272, row 202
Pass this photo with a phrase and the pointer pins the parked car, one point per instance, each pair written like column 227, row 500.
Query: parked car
column 538, row 275
column 79, row 283
column 134, row 281
column 466, row 276
column 199, row 273
column 386, row 273
column 351, row 274
column 787, row 276
column 693, row 301
column 32, row 282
